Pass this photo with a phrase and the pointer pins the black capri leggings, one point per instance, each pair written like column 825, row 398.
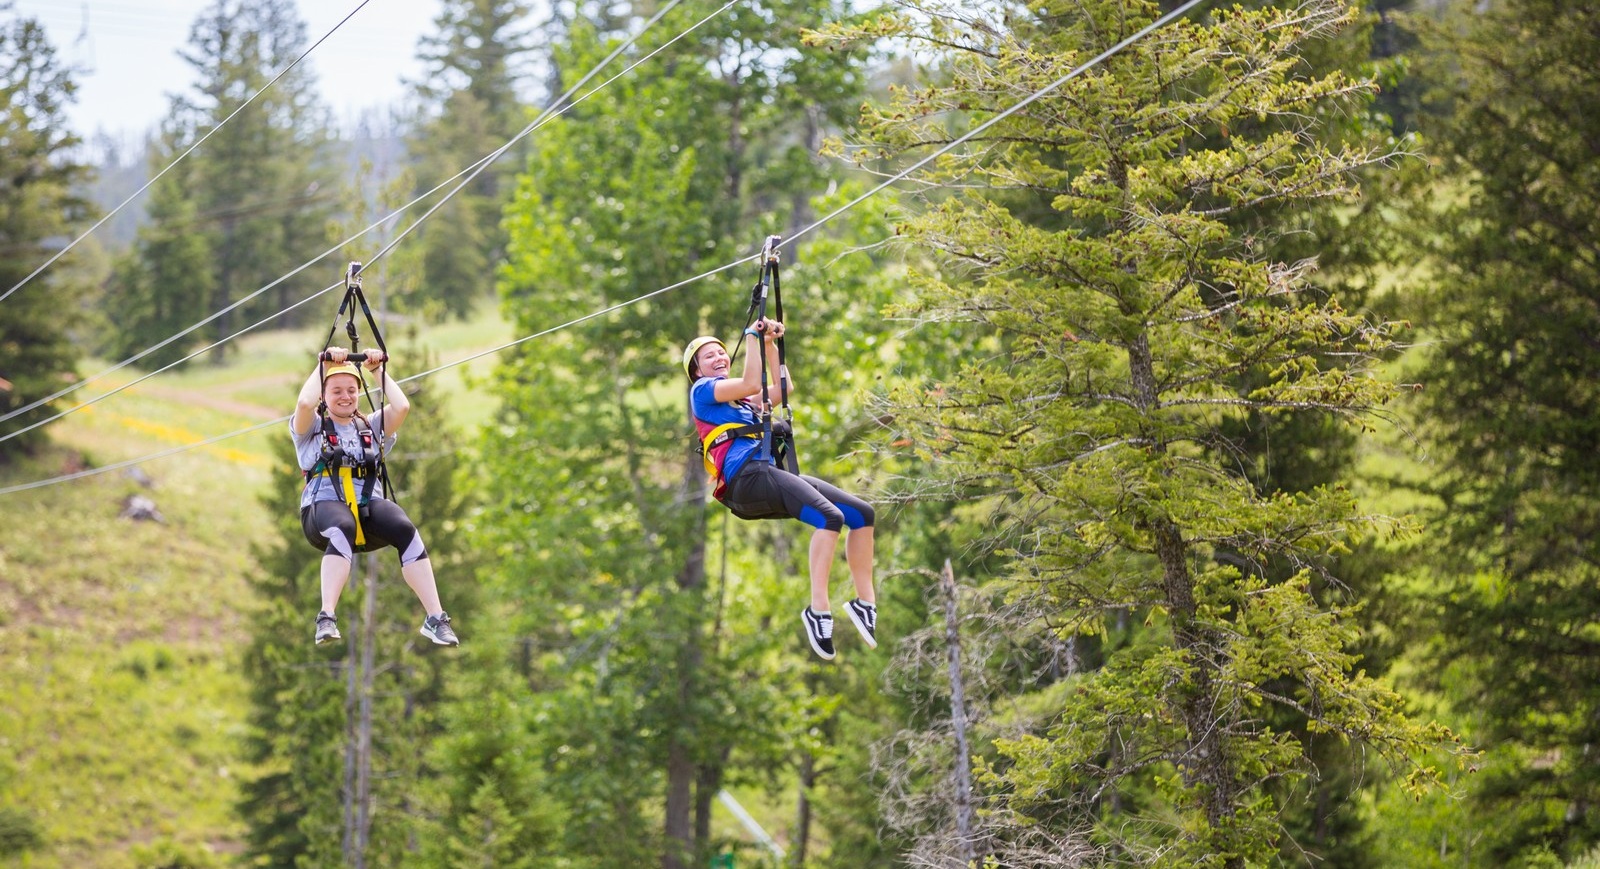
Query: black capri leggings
column 762, row 490
column 329, row 526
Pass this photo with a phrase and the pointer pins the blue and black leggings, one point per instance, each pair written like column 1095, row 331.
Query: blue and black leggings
column 762, row 490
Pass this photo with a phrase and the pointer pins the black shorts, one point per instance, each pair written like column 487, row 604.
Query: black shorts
column 329, row 526
column 762, row 490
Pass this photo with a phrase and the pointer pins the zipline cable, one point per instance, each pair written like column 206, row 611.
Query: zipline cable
column 555, row 109
column 36, row 484
column 242, row 106
column 965, row 137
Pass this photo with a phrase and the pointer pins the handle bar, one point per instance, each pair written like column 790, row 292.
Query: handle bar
column 357, row 358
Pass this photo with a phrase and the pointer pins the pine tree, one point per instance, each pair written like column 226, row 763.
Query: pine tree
column 1123, row 313
column 261, row 188
column 1511, row 403
column 470, row 108
column 165, row 279
column 37, row 208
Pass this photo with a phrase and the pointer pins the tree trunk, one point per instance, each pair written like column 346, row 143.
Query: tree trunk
column 708, row 781
column 1206, row 764
column 368, row 634
column 679, row 827
column 680, row 775
column 347, row 792
column 802, row 816
column 958, row 723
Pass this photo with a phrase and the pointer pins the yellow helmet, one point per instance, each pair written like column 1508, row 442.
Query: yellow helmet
column 341, row 368
column 694, row 347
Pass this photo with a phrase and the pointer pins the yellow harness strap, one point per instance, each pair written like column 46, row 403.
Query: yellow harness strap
column 347, row 483
column 705, row 446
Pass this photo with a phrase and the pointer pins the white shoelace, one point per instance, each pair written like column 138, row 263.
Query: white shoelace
column 824, row 625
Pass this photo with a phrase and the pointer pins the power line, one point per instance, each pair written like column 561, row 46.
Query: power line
column 555, row 109
column 970, row 134
column 242, row 106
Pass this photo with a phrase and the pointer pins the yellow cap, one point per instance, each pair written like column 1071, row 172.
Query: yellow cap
column 341, row 368
column 694, row 347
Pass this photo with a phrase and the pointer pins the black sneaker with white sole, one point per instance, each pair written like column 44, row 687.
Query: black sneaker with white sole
column 327, row 628
column 865, row 617
column 437, row 628
column 819, row 630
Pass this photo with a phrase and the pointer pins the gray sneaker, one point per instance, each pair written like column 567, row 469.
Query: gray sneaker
column 327, row 628
column 437, row 628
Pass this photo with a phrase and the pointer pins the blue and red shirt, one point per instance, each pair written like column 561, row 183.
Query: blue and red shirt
column 710, row 413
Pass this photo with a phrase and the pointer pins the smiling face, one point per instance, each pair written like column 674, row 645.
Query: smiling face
column 712, row 360
column 341, row 392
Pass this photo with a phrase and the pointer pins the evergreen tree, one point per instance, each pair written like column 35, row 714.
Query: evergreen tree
column 261, row 188
column 1511, row 404
column 470, row 109
column 165, row 279
column 38, row 207
column 1122, row 335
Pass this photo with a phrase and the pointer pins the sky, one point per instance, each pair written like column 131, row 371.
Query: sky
column 126, row 54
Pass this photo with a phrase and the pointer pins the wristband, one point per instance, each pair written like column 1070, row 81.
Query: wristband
column 752, row 333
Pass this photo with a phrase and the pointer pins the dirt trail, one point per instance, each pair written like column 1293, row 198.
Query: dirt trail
column 267, row 385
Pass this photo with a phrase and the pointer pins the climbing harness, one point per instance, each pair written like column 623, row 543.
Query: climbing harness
column 337, row 464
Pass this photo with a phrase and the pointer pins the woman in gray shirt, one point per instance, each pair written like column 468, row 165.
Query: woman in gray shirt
column 338, row 452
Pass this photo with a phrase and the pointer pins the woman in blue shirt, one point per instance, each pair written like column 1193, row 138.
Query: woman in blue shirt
column 755, row 489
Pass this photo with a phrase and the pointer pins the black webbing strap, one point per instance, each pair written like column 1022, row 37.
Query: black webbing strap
column 777, row 443
column 783, row 434
column 742, row 431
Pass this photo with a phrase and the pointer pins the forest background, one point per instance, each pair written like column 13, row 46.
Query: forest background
column 1227, row 399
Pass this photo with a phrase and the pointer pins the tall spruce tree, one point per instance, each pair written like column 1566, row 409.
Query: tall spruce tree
column 166, row 278
column 1511, row 403
column 1128, row 322
column 470, row 108
column 38, row 207
column 261, row 188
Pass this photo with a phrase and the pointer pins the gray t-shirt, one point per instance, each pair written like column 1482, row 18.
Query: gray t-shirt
column 308, row 447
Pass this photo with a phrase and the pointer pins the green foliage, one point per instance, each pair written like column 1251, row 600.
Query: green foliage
column 164, row 281
column 469, row 109
column 38, row 205
column 659, row 668
column 170, row 855
column 1121, row 333
column 499, row 812
column 1511, row 403
column 19, row 832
